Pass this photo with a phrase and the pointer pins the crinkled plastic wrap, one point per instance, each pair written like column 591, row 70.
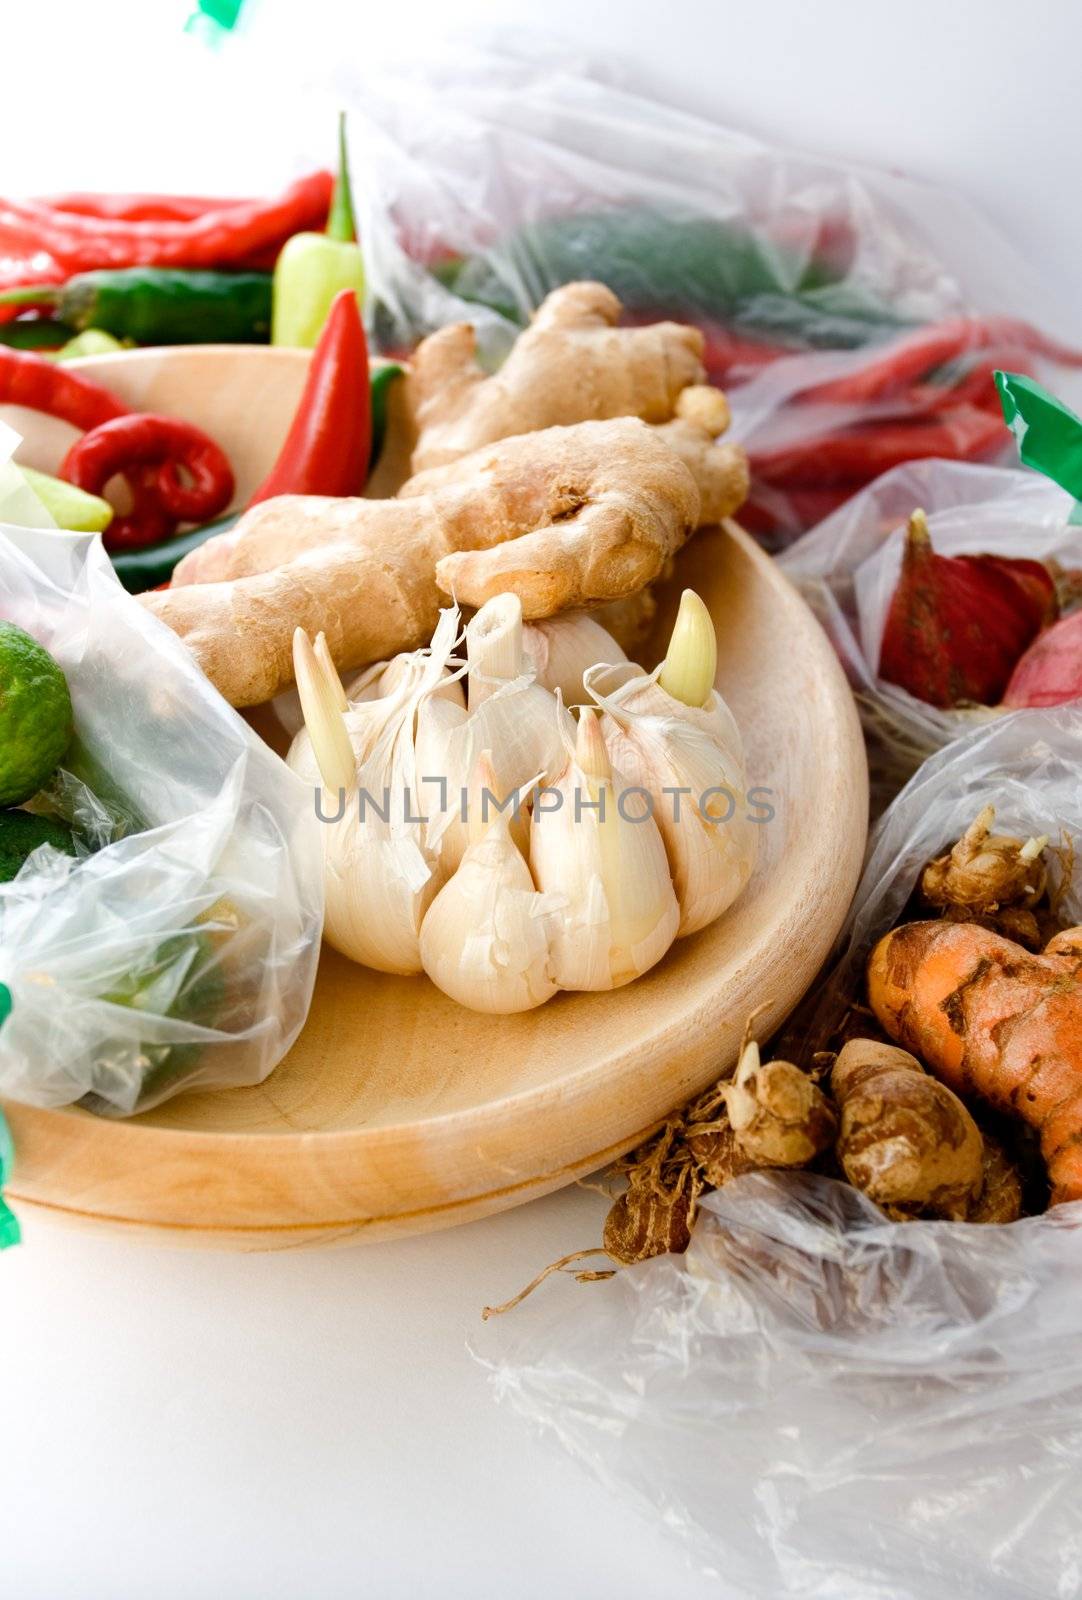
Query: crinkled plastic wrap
column 824, row 1403
column 183, row 950
column 485, row 178
column 848, row 566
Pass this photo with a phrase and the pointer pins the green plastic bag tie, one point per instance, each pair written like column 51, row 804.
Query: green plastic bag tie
column 213, row 19
column 1048, row 434
column 10, row 1232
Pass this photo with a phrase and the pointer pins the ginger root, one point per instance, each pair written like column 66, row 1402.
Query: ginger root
column 565, row 518
column 572, row 364
column 779, row 1116
column 991, row 1019
column 905, row 1139
column 990, row 877
column 720, row 470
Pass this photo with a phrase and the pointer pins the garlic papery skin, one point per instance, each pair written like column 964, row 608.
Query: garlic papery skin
column 603, row 856
column 382, row 678
column 380, row 875
column 485, row 939
column 509, row 715
column 690, row 760
column 559, row 650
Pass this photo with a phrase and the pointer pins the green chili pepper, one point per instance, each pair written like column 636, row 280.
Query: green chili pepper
column 36, row 334
column 161, row 305
column 148, row 568
column 314, row 267
column 695, row 267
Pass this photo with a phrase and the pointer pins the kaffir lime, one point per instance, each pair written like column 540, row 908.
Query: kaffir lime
column 35, row 715
column 20, row 833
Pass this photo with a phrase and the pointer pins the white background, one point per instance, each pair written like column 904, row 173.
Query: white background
column 190, row 1427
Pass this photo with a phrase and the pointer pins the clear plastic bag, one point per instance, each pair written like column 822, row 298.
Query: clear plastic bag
column 182, row 951
column 848, row 566
column 827, row 1404
column 835, row 301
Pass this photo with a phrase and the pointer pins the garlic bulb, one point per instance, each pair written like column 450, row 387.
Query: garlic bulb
column 485, row 937
column 508, row 714
column 673, row 735
column 380, row 875
column 559, row 650
column 598, row 851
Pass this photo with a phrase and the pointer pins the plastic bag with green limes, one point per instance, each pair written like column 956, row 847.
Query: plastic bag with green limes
column 181, row 951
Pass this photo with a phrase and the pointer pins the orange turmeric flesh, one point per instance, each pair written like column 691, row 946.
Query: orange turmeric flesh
column 991, row 1019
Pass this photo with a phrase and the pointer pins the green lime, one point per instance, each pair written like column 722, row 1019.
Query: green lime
column 35, row 715
column 20, row 833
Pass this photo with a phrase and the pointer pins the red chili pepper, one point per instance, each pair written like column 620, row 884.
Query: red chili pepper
column 964, row 434
column 220, row 238
column 329, row 441
column 136, row 442
column 139, row 207
column 29, row 380
column 727, row 357
column 780, row 515
column 921, row 352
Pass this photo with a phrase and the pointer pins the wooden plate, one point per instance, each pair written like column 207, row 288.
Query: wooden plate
column 397, row 1111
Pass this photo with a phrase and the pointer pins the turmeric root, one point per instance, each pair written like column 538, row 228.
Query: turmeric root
column 564, row 518
column 993, row 1020
column 572, row 364
column 1001, row 1188
column 905, row 1139
column 779, row 1116
column 990, row 877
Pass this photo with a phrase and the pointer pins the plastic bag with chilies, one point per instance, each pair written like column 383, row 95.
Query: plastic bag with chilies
column 825, row 1403
column 179, row 948
column 847, row 569
column 854, row 317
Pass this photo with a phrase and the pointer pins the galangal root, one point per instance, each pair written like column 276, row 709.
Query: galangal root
column 566, row 518
column 895, row 1132
column 994, row 879
column 995, row 1021
column 905, row 1139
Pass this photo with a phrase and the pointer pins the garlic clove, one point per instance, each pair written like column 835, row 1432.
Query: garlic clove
column 509, row 714
column 380, row 875
column 330, row 671
column 690, row 760
column 606, row 861
column 691, row 661
column 494, row 647
column 560, row 649
column 485, row 938
column 322, row 712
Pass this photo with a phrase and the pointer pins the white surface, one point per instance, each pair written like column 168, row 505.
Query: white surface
column 264, row 1428
column 196, row 1427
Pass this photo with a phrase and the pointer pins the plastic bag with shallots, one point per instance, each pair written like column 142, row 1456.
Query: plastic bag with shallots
column 824, row 1403
column 848, row 568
